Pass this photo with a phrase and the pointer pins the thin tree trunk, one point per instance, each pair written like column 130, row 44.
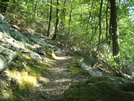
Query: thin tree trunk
column 70, row 17
column 50, row 18
column 63, row 15
column 108, row 38
column 87, row 25
column 114, row 31
column 100, row 32
column 57, row 21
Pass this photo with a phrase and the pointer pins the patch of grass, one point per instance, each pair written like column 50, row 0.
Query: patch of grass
column 75, row 70
column 22, row 83
column 23, row 79
column 74, row 62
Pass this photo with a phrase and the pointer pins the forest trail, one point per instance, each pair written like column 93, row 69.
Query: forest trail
column 54, row 82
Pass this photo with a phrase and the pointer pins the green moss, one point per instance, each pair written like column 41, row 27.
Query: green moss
column 7, row 91
column 74, row 70
column 100, row 89
column 49, row 53
column 25, row 71
column 17, row 93
column 74, row 62
column 27, row 63
column 79, row 84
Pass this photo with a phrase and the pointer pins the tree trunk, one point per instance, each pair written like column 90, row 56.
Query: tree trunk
column 3, row 5
column 114, row 31
column 50, row 18
column 108, row 34
column 70, row 18
column 57, row 21
column 100, row 32
column 63, row 15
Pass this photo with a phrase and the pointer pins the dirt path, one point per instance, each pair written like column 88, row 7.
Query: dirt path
column 53, row 83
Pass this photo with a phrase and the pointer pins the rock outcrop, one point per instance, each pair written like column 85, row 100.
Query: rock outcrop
column 3, row 63
column 92, row 72
column 101, row 89
column 13, row 42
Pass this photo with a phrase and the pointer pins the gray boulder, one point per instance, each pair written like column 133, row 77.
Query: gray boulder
column 58, row 53
column 92, row 72
column 4, row 25
column 18, row 36
column 101, row 89
column 35, row 56
column 3, row 63
column 8, row 53
column 40, row 51
column 39, row 41
column 35, row 39
column 1, row 35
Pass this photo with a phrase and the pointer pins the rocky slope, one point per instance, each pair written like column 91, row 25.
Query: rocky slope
column 30, row 62
column 39, row 69
column 101, row 89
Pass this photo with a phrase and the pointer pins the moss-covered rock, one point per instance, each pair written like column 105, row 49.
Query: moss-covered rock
column 101, row 89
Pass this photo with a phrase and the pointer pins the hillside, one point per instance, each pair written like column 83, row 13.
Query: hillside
column 35, row 68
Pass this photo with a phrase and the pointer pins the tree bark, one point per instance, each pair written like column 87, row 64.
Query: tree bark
column 70, row 17
column 100, row 32
column 57, row 21
column 114, row 31
column 63, row 16
column 50, row 18
column 108, row 35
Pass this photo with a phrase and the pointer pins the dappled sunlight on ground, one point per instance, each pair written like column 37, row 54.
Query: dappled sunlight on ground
column 59, row 79
column 43, row 79
column 51, row 84
column 60, row 57
column 23, row 78
column 63, row 80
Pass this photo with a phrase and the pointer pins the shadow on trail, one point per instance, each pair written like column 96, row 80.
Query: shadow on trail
column 54, row 82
